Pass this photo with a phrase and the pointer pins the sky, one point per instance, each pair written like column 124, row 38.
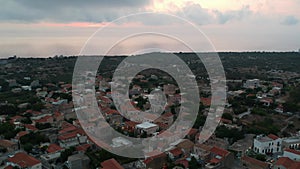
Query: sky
column 42, row 28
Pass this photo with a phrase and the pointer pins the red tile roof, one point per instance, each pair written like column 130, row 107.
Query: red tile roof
column 219, row 151
column 69, row 135
column 111, row 111
column 21, row 134
column 105, row 99
column 273, row 137
column 23, row 160
column 15, row 118
column 30, row 127
column 169, row 114
column 111, row 164
column 57, row 114
column 287, row 163
column 45, row 119
column 7, row 143
column 267, row 100
column 226, row 121
column 158, row 155
column 53, row 148
column 67, row 127
column 162, row 125
column 176, row 151
column 192, row 131
column 9, row 167
column 153, row 153
column 215, row 160
column 255, row 162
column 83, row 147
column 205, row 101
column 292, row 151
column 184, row 162
column 131, row 123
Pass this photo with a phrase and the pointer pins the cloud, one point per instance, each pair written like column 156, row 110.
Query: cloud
column 197, row 14
column 290, row 20
column 203, row 16
column 67, row 11
column 224, row 17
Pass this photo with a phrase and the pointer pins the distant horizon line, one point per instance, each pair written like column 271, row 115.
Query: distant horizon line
column 126, row 55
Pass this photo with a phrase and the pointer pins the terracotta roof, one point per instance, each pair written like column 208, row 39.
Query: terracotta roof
column 215, row 160
column 67, row 127
column 186, row 144
column 7, row 143
column 150, row 159
column 254, row 161
column 57, row 114
column 153, row 153
column 250, row 95
column 226, row 121
column 270, row 100
column 205, row 101
column 23, row 160
column 21, row 134
column 273, row 137
column 30, row 127
column 292, row 151
column 219, row 151
column 15, row 118
column 9, row 167
column 176, row 151
column 184, row 162
column 112, row 111
column 192, row 131
column 53, row 148
column 162, row 125
column 203, row 147
column 131, row 123
column 105, row 99
column 83, row 147
column 69, row 135
column 111, row 164
column 44, row 119
column 34, row 112
column 287, row 163
column 168, row 114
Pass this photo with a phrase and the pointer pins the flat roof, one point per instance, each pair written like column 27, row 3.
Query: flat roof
column 146, row 125
column 264, row 139
column 291, row 140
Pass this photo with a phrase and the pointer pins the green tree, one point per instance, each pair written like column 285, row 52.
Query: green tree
column 28, row 147
column 66, row 153
column 193, row 164
column 42, row 126
column 34, row 138
column 227, row 116
column 260, row 157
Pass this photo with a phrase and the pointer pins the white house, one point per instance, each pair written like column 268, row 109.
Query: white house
column 252, row 84
column 146, row 127
column 292, row 154
column 267, row 144
column 73, row 138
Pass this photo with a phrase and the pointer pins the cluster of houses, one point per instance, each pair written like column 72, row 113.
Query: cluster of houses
column 64, row 131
